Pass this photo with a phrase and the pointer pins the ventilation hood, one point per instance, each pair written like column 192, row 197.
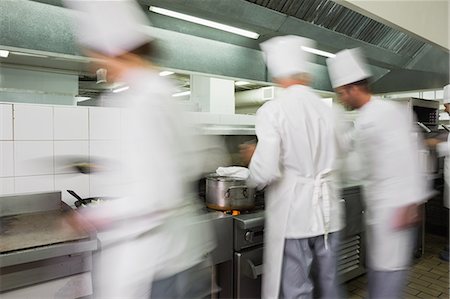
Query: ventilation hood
column 399, row 61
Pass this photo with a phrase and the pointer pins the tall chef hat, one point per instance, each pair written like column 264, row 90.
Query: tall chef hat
column 446, row 99
column 110, row 27
column 284, row 55
column 348, row 66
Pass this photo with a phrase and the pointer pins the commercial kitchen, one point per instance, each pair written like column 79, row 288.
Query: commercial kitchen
column 55, row 125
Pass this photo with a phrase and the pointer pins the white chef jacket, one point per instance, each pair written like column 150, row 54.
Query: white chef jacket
column 392, row 178
column 157, row 224
column 443, row 149
column 294, row 158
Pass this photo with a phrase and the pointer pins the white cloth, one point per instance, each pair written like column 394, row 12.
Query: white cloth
column 157, row 226
column 348, row 66
column 284, row 55
column 446, row 98
column 443, row 149
column 392, row 178
column 234, row 171
column 294, row 154
column 110, row 27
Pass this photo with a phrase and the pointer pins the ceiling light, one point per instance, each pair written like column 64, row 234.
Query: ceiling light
column 166, row 73
column 82, row 99
column 204, row 22
column 241, row 83
column 318, row 52
column 120, row 89
column 180, row 94
column 4, row 53
column 29, row 54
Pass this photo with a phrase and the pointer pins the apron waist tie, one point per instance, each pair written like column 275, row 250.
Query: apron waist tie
column 321, row 200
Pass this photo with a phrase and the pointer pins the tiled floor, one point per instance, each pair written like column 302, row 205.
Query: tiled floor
column 428, row 277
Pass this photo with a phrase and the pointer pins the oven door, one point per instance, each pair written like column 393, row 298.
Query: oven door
column 248, row 270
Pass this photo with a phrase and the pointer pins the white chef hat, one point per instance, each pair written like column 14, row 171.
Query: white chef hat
column 446, row 99
column 284, row 55
column 348, row 66
column 110, row 27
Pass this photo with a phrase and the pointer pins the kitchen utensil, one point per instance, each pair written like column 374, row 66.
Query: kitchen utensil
column 228, row 193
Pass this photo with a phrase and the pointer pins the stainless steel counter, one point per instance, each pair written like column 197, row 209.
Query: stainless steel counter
column 36, row 246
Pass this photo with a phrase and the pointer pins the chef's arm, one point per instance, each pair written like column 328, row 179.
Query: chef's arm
column 344, row 131
column 264, row 165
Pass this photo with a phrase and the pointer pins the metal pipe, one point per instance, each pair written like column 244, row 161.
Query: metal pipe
column 425, row 128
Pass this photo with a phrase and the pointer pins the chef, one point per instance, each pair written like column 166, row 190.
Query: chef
column 295, row 160
column 443, row 150
column 392, row 182
column 153, row 242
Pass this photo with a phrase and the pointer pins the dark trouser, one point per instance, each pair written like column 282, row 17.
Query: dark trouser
column 192, row 283
column 387, row 284
column 301, row 256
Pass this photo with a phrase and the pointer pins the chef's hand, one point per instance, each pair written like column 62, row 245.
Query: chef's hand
column 432, row 142
column 246, row 151
column 76, row 222
column 407, row 217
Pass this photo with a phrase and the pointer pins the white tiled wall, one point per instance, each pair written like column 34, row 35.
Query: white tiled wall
column 6, row 185
column 6, row 159
column 33, row 158
column 71, row 123
column 40, row 143
column 6, row 122
column 33, row 122
column 35, row 183
column 104, row 123
column 69, row 152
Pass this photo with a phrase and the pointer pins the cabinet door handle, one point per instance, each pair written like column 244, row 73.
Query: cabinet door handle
column 253, row 271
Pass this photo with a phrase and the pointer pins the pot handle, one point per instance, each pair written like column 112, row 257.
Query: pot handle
column 244, row 191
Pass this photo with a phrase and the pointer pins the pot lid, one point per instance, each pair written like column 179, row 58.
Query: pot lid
column 222, row 178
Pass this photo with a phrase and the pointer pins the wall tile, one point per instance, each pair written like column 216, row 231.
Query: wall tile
column 38, row 183
column 69, row 152
column 6, row 159
column 104, row 123
column 33, row 122
column 33, row 158
column 6, row 186
column 6, row 122
column 71, row 123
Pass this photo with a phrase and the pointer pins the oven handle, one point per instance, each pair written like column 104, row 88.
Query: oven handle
column 253, row 271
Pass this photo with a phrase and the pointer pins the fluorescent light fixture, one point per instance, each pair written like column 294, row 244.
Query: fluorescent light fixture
column 204, row 22
column 29, row 54
column 318, row 52
column 120, row 89
column 241, row 83
column 166, row 73
column 180, row 94
column 82, row 99
column 4, row 53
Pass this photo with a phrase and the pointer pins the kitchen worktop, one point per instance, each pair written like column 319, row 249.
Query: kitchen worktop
column 36, row 229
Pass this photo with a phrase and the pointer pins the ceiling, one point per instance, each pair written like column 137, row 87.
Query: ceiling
column 394, row 54
column 399, row 61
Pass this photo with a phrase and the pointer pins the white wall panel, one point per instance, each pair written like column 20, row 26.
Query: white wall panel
column 33, row 122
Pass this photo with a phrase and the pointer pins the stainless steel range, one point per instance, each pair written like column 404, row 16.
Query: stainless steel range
column 248, row 234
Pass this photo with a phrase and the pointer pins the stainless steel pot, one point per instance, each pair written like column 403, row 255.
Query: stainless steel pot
column 228, row 193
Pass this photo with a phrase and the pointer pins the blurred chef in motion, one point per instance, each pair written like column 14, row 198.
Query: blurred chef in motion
column 295, row 159
column 392, row 182
column 153, row 243
column 443, row 150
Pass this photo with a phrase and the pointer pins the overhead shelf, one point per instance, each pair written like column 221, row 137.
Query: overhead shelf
column 222, row 124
